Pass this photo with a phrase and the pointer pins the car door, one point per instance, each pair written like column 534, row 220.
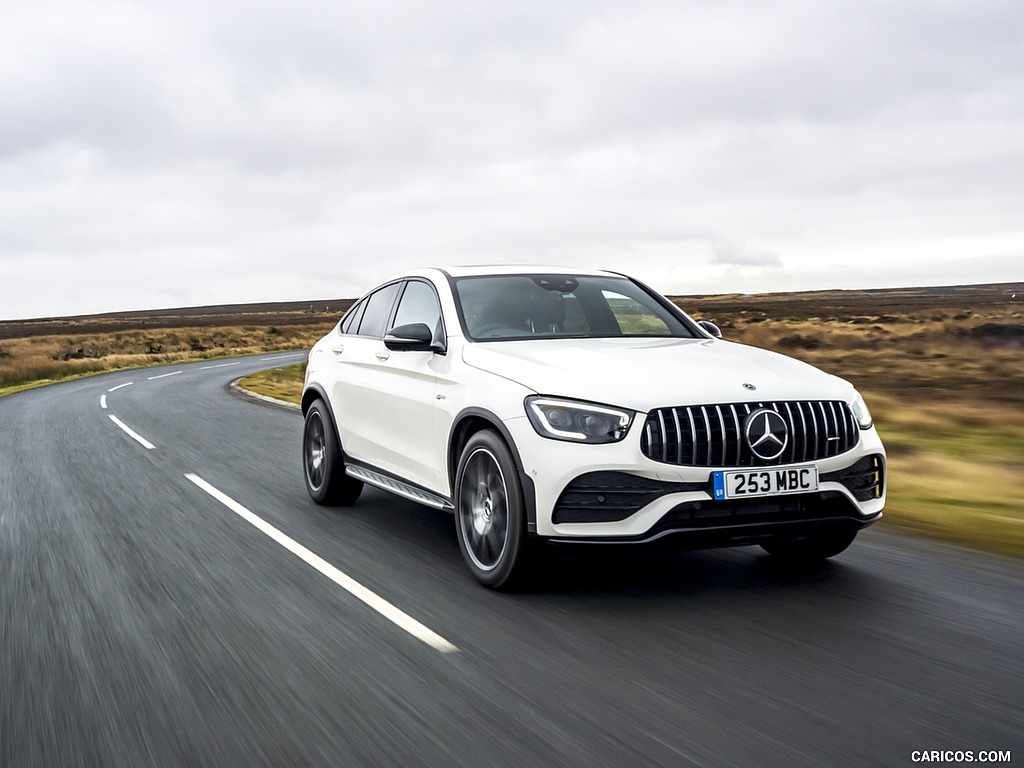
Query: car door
column 353, row 358
column 403, row 395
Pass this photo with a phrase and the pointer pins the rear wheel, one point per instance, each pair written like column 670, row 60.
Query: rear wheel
column 323, row 460
column 810, row 549
column 489, row 512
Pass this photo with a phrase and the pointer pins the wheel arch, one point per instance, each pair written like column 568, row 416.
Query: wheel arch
column 316, row 392
column 467, row 423
column 334, row 487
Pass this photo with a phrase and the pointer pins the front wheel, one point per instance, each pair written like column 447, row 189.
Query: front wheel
column 323, row 462
column 811, row 549
column 489, row 511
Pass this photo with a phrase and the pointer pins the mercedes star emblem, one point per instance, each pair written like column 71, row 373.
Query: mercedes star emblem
column 767, row 434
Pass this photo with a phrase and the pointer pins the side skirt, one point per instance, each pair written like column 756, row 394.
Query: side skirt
column 398, row 487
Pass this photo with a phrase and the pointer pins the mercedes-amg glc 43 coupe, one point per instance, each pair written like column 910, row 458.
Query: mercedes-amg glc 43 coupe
column 544, row 405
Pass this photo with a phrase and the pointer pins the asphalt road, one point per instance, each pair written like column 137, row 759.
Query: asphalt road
column 145, row 621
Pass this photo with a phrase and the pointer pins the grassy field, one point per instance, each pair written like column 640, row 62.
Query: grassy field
column 44, row 351
column 941, row 368
column 282, row 383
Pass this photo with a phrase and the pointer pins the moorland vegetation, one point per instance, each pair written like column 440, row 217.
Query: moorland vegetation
column 942, row 369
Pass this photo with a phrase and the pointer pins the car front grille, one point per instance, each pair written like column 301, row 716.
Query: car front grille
column 713, row 435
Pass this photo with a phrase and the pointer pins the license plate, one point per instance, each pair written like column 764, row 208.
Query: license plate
column 746, row 484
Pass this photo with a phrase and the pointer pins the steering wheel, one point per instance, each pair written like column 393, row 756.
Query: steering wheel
column 490, row 328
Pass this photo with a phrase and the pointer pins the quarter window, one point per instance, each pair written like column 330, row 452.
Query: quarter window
column 378, row 310
column 351, row 320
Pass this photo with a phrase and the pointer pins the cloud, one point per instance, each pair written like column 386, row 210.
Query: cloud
column 196, row 153
column 738, row 253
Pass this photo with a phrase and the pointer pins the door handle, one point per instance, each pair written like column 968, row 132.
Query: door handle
column 338, row 349
column 383, row 355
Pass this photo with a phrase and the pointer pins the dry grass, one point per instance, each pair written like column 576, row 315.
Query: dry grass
column 33, row 352
column 33, row 360
column 956, row 469
column 281, row 383
column 939, row 344
column 960, row 499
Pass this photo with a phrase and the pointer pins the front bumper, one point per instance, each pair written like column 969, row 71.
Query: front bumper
column 700, row 524
column 612, row 493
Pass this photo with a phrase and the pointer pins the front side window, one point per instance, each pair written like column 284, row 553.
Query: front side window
column 418, row 305
column 563, row 306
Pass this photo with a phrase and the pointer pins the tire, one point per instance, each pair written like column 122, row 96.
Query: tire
column 490, row 516
column 813, row 549
column 323, row 462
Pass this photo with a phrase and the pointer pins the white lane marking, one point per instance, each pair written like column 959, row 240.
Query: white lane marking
column 120, row 386
column 221, row 365
column 350, row 585
column 132, row 434
column 103, row 401
column 282, row 357
column 163, row 375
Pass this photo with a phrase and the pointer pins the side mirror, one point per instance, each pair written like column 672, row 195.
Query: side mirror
column 711, row 328
column 414, row 337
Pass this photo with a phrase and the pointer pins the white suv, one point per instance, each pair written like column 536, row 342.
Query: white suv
column 559, row 405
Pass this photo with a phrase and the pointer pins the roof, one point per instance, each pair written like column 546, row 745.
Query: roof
column 473, row 270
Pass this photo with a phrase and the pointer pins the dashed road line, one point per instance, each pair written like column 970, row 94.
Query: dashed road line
column 282, row 357
column 221, row 365
column 163, row 375
column 103, row 401
column 121, row 386
column 350, row 585
column 132, row 433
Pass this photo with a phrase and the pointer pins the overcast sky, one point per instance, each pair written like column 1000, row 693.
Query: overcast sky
column 157, row 154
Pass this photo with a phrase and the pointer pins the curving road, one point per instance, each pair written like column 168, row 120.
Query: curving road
column 172, row 597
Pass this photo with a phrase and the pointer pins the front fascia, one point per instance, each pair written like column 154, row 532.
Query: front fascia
column 553, row 464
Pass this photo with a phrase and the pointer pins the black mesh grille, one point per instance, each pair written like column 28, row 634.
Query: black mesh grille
column 775, row 509
column 604, row 497
column 702, row 524
column 713, row 435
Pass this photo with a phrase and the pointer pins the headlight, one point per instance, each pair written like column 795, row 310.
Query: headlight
column 861, row 412
column 576, row 421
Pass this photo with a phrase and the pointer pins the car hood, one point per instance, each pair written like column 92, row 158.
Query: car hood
column 642, row 374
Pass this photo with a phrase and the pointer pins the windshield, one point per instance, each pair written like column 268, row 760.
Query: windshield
column 562, row 306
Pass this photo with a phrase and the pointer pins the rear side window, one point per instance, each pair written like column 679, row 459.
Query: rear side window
column 378, row 309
